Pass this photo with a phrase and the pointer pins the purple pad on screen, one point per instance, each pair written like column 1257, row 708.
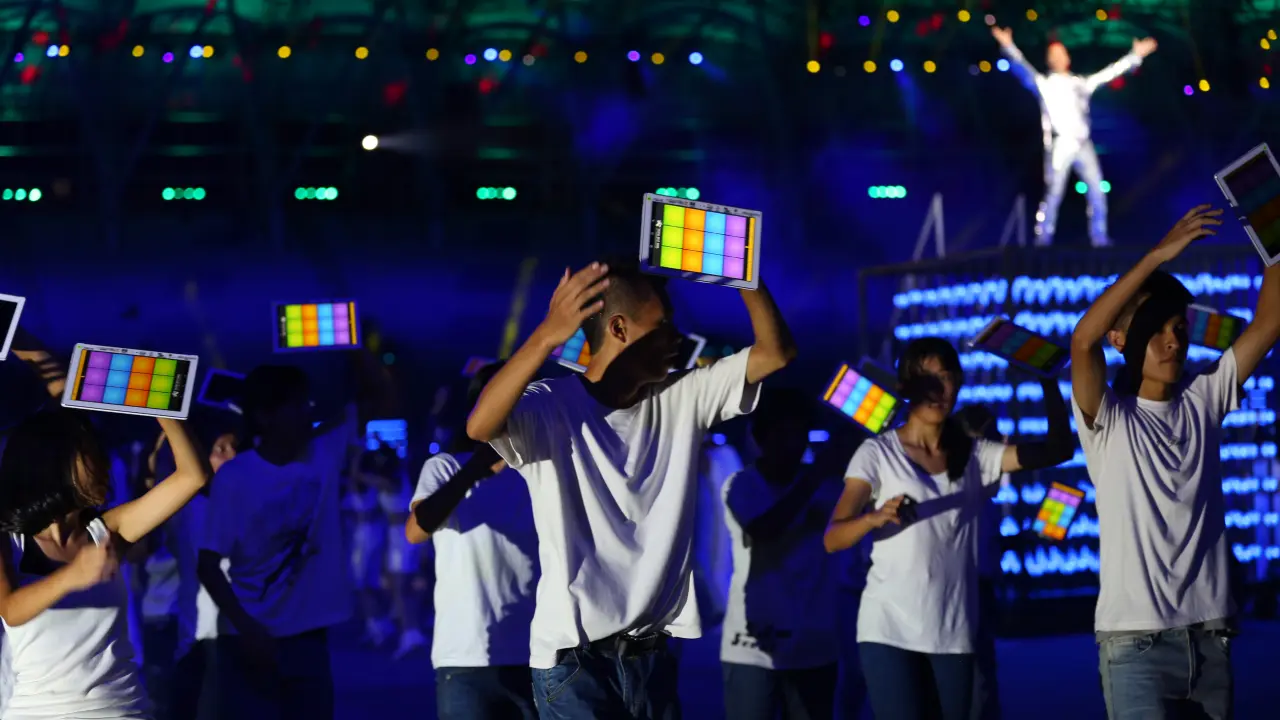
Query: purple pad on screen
column 99, row 360
column 733, row 268
column 95, row 376
column 91, row 393
column 735, row 225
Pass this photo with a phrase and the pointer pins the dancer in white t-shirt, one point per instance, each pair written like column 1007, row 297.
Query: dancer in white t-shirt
column 611, row 458
column 477, row 513
column 780, row 651
column 1165, row 614
column 918, row 616
column 274, row 513
column 62, row 597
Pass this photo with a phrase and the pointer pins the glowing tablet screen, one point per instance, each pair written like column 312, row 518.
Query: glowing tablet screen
column 1021, row 347
column 132, row 382
column 316, row 326
column 1208, row 328
column 861, row 399
column 1057, row 511
column 1252, row 186
column 701, row 241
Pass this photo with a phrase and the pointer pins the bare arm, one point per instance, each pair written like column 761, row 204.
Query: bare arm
column 1088, row 370
column 91, row 565
column 1261, row 335
column 848, row 525
column 575, row 300
column 51, row 370
column 1058, row 445
column 133, row 520
column 774, row 347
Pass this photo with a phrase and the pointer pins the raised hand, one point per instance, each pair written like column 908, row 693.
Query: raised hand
column 1143, row 47
column 576, row 298
column 1004, row 36
column 887, row 513
column 1197, row 223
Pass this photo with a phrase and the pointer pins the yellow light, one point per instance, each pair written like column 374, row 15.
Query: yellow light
column 208, row 51
column 1031, row 15
column 504, row 55
column 891, row 16
column 433, row 54
column 930, row 66
column 580, row 57
column 138, row 50
column 284, row 52
column 1266, row 44
column 63, row 51
column 813, row 66
column 1264, row 83
column 1271, row 34
column 963, row 16
column 984, row 66
column 362, row 52
column 1101, row 15
column 658, row 59
column 869, row 66
column 1204, row 86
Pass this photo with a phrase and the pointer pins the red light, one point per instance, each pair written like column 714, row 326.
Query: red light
column 29, row 74
column 936, row 21
column 538, row 50
column 487, row 85
column 825, row 41
column 1266, row 69
column 1114, row 12
column 393, row 93
column 40, row 38
column 1117, row 83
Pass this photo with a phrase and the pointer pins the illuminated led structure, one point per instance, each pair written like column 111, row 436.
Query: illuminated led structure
column 1056, row 557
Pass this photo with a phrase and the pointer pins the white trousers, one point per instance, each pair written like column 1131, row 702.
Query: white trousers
column 1063, row 155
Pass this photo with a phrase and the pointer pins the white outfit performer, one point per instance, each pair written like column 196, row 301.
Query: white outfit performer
column 1064, row 116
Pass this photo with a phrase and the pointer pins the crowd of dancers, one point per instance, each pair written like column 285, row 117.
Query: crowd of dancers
column 568, row 556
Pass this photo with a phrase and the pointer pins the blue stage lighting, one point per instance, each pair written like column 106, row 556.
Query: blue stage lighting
column 491, row 54
column 695, row 58
column 895, row 65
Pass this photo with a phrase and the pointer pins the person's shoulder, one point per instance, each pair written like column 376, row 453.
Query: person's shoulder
column 240, row 465
column 443, row 462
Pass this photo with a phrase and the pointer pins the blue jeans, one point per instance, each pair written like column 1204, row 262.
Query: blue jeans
column 756, row 693
column 908, row 685
column 484, row 693
column 588, row 684
column 1158, row 675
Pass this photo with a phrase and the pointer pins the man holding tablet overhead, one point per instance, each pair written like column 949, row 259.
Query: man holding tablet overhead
column 611, row 460
column 1151, row 442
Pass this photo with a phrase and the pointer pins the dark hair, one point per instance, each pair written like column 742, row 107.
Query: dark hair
column 268, row 388
column 1161, row 297
column 628, row 290
column 916, row 387
column 781, row 408
column 39, row 480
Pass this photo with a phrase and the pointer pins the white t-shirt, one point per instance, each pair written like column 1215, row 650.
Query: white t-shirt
column 782, row 598
column 486, row 559
column 74, row 660
column 1161, row 515
column 197, row 612
column 259, row 518
column 614, row 501
column 922, row 589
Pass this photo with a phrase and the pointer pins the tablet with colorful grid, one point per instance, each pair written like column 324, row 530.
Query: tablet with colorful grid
column 1057, row 511
column 861, row 399
column 1209, row 328
column 701, row 241
column 316, row 326
column 1021, row 347
column 10, row 311
column 1252, row 186
column 131, row 382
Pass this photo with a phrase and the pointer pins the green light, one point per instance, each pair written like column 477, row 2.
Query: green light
column 35, row 195
column 20, row 195
column 199, row 194
column 300, row 194
column 1106, row 186
column 886, row 192
column 6, row 195
column 692, row 193
column 168, row 194
column 509, row 193
column 480, row 193
column 333, row 193
column 1082, row 187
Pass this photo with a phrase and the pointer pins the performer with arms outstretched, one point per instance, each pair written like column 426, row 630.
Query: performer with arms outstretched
column 1064, row 116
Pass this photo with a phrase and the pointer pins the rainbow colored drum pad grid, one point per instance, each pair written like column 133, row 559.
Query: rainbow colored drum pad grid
column 574, row 354
column 1211, row 329
column 1021, row 346
column 1252, row 185
column 1057, row 511
column 701, row 241
column 130, row 381
column 855, row 395
column 316, row 326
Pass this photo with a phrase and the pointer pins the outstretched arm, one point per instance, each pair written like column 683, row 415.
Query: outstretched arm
column 1262, row 334
column 133, row 520
column 1021, row 67
column 1130, row 62
column 773, row 348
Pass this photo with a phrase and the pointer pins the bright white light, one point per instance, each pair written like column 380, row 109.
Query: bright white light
column 370, row 142
column 895, row 65
column 695, row 58
column 491, row 54
column 1002, row 65
column 52, row 51
column 196, row 51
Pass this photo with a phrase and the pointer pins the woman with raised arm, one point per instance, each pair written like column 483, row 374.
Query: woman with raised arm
column 925, row 482
column 62, row 599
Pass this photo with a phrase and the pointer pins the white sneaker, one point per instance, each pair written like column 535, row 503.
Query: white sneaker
column 410, row 640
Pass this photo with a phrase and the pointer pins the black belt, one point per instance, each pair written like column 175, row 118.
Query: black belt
column 622, row 645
